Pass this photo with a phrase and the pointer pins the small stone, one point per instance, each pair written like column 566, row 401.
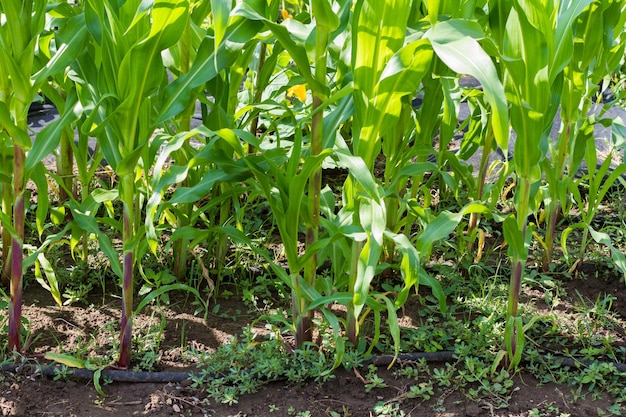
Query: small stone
column 168, row 401
column 176, row 408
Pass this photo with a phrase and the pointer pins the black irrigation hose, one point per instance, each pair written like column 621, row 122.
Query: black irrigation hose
column 114, row 374
column 386, row 360
column 165, row 377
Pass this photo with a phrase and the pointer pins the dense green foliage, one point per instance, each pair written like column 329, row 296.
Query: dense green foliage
column 287, row 91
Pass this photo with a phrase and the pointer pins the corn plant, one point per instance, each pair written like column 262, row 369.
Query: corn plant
column 21, row 78
column 124, row 94
column 216, row 67
column 536, row 47
column 599, row 180
column 382, row 82
column 597, row 51
column 326, row 22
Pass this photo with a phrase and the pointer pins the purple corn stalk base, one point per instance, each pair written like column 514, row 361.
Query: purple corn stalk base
column 15, row 307
column 127, row 289
column 127, row 301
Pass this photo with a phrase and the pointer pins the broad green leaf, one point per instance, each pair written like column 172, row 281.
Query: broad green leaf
column 19, row 136
column 527, row 63
column 255, row 11
column 203, row 187
column 65, row 359
column 101, row 195
column 441, row 226
column 360, row 172
column 514, row 237
column 169, row 18
column 87, row 222
column 128, row 164
column 38, row 176
column 164, row 289
column 47, row 140
column 456, row 44
column 75, row 33
column 618, row 256
column 378, row 34
column 52, row 283
column 374, row 221
column 437, row 229
column 563, row 36
column 207, row 64
column 220, row 11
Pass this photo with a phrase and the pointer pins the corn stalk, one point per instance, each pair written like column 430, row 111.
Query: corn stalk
column 124, row 97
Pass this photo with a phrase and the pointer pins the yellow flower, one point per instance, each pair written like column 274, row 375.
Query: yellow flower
column 297, row 91
column 285, row 14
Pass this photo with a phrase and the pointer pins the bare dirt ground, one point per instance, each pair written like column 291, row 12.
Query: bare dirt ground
column 25, row 393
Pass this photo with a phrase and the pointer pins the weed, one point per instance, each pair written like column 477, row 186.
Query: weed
column 373, row 380
column 245, row 364
column 388, row 410
column 422, row 390
column 62, row 373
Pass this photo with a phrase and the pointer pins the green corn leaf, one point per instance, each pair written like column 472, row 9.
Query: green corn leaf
column 374, row 220
column 101, row 195
column 437, row 229
column 169, row 18
column 442, row 225
column 618, row 256
column 175, row 175
column 383, row 70
column 256, row 11
column 220, row 10
column 564, row 34
column 128, row 164
column 514, row 340
column 400, row 77
column 48, row 138
column 96, row 381
column 514, row 237
column 84, row 218
column 152, row 295
column 377, row 35
column 207, row 64
column 65, row 359
column 413, row 170
column 19, row 136
column 393, row 326
column 75, row 32
column 38, row 176
column 360, row 172
column 409, row 265
column 190, row 233
column 341, row 298
column 203, row 187
column 456, row 44
column 52, row 283
column 527, row 62
column 50, row 240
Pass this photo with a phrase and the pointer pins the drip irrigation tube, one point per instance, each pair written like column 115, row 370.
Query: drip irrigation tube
column 180, row 376
column 114, row 374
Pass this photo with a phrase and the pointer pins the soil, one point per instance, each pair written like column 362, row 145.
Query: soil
column 25, row 393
